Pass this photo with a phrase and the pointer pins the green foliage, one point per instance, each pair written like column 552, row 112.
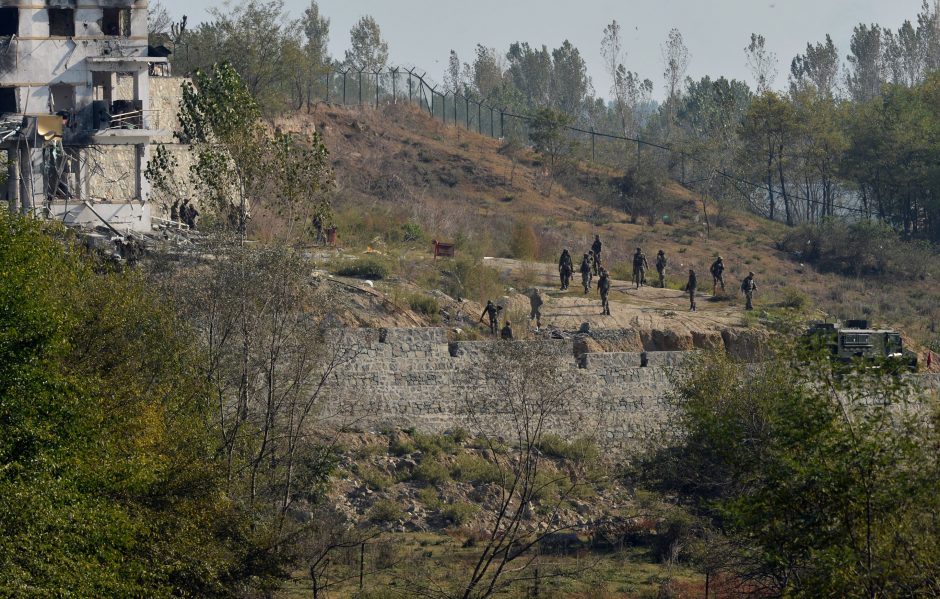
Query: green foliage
column 374, row 478
column 435, row 444
column 385, row 511
column 431, row 472
column 459, row 513
column 111, row 484
column 825, row 484
column 365, row 268
column 412, row 231
column 578, row 450
column 794, row 298
column 430, row 497
column 471, row 468
column 425, row 304
column 401, row 446
column 465, row 277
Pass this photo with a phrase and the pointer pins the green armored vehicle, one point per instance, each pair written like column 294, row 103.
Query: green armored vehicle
column 856, row 341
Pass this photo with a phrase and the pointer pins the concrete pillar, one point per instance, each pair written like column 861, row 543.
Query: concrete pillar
column 13, row 181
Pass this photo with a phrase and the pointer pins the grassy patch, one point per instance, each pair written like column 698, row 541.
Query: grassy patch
column 385, row 510
column 577, row 450
column 431, row 472
column 460, row 513
column 470, row 468
column 366, row 268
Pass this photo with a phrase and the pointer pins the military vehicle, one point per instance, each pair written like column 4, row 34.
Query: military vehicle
column 855, row 341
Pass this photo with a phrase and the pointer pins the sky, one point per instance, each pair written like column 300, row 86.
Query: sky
column 422, row 33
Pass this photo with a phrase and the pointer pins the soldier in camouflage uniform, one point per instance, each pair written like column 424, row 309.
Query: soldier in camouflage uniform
column 640, row 266
column 603, row 286
column 586, row 273
column 506, row 332
column 661, row 268
column 492, row 311
column 748, row 286
column 690, row 287
column 596, row 253
column 535, row 302
column 717, row 270
column 565, row 269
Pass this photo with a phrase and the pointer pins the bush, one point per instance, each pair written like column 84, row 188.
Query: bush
column 431, row 472
column 401, row 447
column 434, row 444
column 386, row 510
column 524, row 243
column 375, row 479
column 459, row 514
column 412, row 231
column 794, row 298
column 465, row 277
column 578, row 450
column 366, row 268
column 470, row 468
column 425, row 304
column 430, row 497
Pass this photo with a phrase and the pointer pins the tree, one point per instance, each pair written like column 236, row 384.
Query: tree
column 220, row 120
column 316, row 59
column 763, row 63
column 549, row 136
column 675, row 64
column 368, row 51
column 824, row 483
column 866, row 70
column 158, row 21
column 767, row 132
column 111, row 482
column 570, row 82
column 819, row 67
column 452, row 78
column 530, row 71
column 628, row 90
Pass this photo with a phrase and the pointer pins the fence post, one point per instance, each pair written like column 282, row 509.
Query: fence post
column 362, row 561
column 593, row 154
column 360, row 87
column 329, row 77
column 638, row 154
column 410, row 99
column 492, row 130
column 344, row 87
column 395, row 85
column 502, row 123
column 466, row 100
column 444, row 108
column 480, row 117
column 376, row 89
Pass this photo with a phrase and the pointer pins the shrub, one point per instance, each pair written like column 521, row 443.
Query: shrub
column 366, row 268
column 375, row 479
column 431, row 472
column 401, row 447
column 425, row 304
column 412, row 231
column 578, row 450
column 459, row 514
column 468, row 278
column 524, row 243
column 470, row 468
column 794, row 298
column 430, row 497
column 385, row 510
column 434, row 444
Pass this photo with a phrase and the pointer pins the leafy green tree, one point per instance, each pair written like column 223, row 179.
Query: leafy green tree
column 220, row 120
column 767, row 133
column 818, row 67
column 866, row 72
column 368, row 51
column 823, row 482
column 549, row 136
column 111, row 483
column 570, row 82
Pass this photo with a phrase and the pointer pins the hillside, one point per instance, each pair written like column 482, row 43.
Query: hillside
column 404, row 179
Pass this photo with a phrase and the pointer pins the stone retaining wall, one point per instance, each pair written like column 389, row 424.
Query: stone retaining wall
column 402, row 378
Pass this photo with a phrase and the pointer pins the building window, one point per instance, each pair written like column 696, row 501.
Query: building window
column 61, row 22
column 7, row 100
column 116, row 22
column 63, row 97
column 9, row 21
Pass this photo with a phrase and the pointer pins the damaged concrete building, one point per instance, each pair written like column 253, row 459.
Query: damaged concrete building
column 83, row 99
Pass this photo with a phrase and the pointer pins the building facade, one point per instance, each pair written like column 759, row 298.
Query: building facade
column 77, row 121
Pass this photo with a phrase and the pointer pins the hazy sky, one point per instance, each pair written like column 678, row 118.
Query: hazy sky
column 422, row 32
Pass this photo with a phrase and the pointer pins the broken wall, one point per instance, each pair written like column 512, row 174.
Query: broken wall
column 111, row 173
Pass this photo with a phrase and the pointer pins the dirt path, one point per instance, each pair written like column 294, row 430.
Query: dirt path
column 647, row 308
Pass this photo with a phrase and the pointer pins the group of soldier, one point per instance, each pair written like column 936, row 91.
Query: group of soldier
column 591, row 267
column 185, row 213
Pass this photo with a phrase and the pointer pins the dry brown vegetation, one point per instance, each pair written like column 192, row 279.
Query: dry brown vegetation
column 404, row 179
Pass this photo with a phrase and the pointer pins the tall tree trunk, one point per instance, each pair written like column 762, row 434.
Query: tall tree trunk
column 770, row 182
column 783, row 188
